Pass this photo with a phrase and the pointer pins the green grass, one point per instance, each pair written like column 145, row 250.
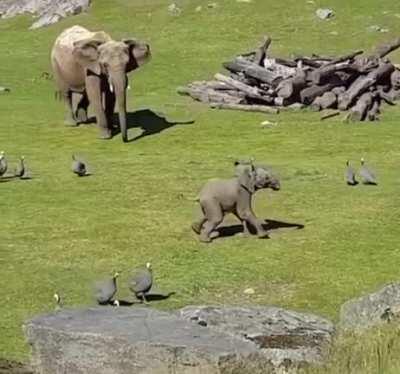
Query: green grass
column 59, row 232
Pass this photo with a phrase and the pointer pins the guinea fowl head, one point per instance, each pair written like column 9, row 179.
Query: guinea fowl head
column 116, row 275
column 362, row 161
column 148, row 266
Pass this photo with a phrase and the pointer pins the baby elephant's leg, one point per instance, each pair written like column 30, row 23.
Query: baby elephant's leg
column 246, row 231
column 214, row 216
column 249, row 217
column 197, row 225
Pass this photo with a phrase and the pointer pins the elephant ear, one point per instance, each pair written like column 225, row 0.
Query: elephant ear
column 139, row 53
column 132, row 64
column 87, row 53
column 248, row 180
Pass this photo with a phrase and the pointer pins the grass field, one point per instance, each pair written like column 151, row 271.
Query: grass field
column 60, row 233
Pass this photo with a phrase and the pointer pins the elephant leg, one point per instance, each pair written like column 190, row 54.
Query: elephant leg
column 93, row 88
column 82, row 108
column 110, row 106
column 197, row 225
column 69, row 111
column 250, row 217
column 246, row 231
column 214, row 216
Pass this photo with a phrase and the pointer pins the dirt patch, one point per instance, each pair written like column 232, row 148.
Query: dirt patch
column 12, row 367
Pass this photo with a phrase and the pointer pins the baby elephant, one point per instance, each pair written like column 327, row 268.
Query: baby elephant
column 219, row 197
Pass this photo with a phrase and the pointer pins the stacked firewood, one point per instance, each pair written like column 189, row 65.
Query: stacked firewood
column 355, row 83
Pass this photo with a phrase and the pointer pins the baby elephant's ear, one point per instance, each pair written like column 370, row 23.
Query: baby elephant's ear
column 248, row 181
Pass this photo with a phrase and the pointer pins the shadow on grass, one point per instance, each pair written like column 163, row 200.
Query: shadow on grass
column 151, row 296
column 150, row 122
column 268, row 225
column 7, row 178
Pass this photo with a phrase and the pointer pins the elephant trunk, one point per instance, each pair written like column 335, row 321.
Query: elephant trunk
column 119, row 81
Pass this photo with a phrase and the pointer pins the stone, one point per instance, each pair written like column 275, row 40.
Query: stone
column 47, row 11
column 324, row 13
column 174, row 9
column 376, row 28
column 138, row 340
column 288, row 339
column 372, row 309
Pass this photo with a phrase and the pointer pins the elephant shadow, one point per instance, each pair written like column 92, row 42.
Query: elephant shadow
column 150, row 122
column 268, row 225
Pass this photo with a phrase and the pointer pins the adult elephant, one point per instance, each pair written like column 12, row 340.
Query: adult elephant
column 96, row 66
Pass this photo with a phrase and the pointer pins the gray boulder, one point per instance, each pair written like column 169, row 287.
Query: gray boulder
column 287, row 338
column 135, row 340
column 324, row 13
column 47, row 11
column 371, row 310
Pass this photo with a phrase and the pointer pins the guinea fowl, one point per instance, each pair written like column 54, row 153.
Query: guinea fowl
column 59, row 301
column 3, row 164
column 350, row 175
column 367, row 175
column 21, row 171
column 141, row 282
column 105, row 290
column 78, row 167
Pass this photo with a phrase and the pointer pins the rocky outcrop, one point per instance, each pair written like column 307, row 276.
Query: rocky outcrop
column 134, row 340
column 371, row 310
column 47, row 11
column 286, row 338
column 193, row 340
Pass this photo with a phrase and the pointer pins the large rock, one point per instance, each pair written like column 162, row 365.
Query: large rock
column 195, row 339
column 135, row 340
column 47, row 11
column 371, row 310
column 286, row 338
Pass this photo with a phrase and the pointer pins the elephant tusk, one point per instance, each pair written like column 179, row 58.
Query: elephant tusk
column 111, row 87
column 129, row 87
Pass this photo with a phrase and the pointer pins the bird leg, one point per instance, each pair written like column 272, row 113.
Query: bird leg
column 144, row 301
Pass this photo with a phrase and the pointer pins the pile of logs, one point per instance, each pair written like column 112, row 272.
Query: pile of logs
column 257, row 82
